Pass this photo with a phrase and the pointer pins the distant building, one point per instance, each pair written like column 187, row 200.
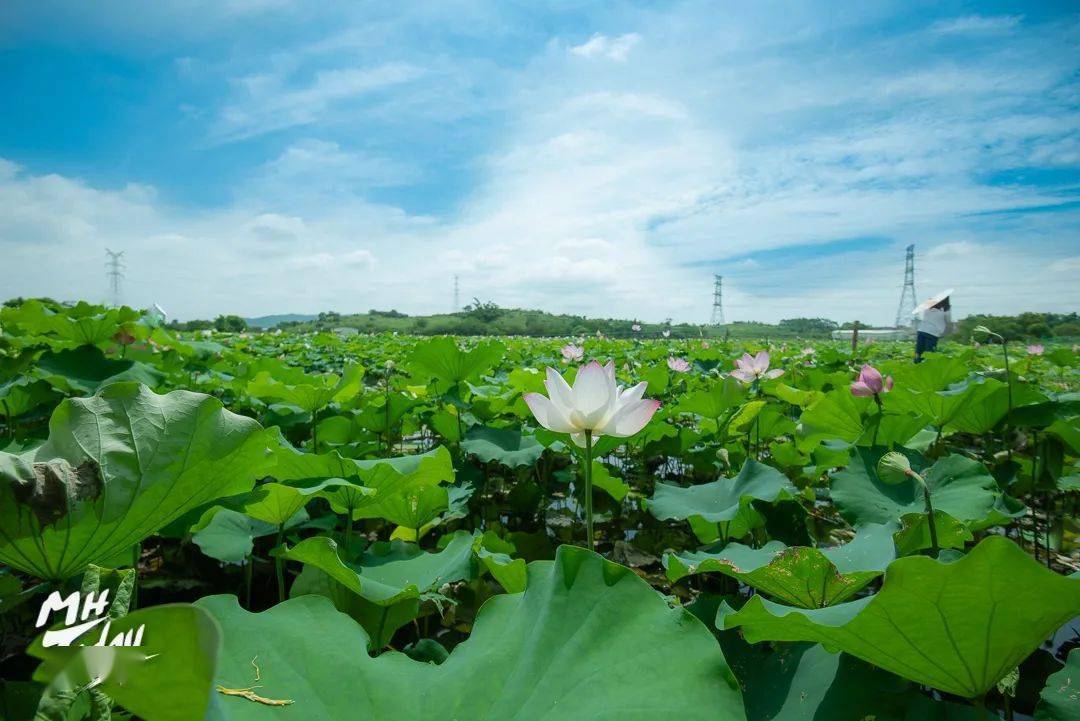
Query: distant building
column 346, row 331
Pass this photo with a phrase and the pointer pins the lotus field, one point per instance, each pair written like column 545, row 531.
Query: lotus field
column 310, row 526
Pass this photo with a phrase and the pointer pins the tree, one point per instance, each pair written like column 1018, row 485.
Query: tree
column 230, row 324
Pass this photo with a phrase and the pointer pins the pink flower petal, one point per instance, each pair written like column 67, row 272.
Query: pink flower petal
column 860, row 389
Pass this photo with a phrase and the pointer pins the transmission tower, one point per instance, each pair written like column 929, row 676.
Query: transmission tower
column 457, row 295
column 907, row 295
column 114, row 270
column 717, row 301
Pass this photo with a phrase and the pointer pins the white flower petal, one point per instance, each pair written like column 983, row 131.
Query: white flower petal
column 631, row 418
column 559, row 391
column 592, row 392
column 547, row 414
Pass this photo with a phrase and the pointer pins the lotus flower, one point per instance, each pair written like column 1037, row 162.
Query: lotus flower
column 635, row 327
column 679, row 365
column 571, row 352
column 870, row 383
column 808, row 350
column 1036, row 349
column 595, row 404
column 749, row 369
column 705, row 344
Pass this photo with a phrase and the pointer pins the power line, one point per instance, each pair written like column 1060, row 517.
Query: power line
column 114, row 272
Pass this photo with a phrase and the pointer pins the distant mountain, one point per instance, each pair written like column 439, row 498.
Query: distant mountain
column 269, row 321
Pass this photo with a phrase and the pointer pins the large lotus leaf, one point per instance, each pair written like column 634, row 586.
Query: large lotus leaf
column 229, row 536
column 117, row 467
column 81, row 324
column 587, row 640
column 838, row 415
column 387, row 581
column 938, row 389
column 167, row 678
column 715, row 402
column 959, row 626
column 723, row 500
column 311, row 394
column 276, row 503
column 389, row 572
column 801, row 576
column 442, row 359
column 507, row 446
column 23, row 395
column 84, row 369
column 959, row 486
column 1060, row 700
column 804, row 682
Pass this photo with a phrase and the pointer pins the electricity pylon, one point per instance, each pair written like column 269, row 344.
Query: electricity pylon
column 907, row 295
column 717, row 301
column 114, row 271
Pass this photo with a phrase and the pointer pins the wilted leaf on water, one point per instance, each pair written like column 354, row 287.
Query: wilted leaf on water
column 959, row 626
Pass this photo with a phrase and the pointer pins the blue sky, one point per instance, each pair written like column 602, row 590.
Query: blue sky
column 260, row 156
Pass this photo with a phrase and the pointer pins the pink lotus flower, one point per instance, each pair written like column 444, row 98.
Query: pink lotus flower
column 749, row 369
column 595, row 403
column 705, row 344
column 679, row 365
column 1036, row 349
column 870, row 383
column 571, row 352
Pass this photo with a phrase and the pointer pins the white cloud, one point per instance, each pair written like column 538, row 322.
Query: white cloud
column 602, row 46
column 976, row 24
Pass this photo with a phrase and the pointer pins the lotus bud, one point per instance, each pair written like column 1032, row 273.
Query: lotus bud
column 895, row 468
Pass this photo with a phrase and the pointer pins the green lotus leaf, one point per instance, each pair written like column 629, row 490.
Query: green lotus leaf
column 167, row 678
column 117, row 467
column 229, row 536
column 22, row 395
column 494, row 553
column 388, row 572
column 587, row 640
column 81, row 324
column 838, row 415
column 276, row 503
column 716, row 401
column 959, row 626
column 801, row 576
column 84, row 369
column 959, row 486
column 311, row 392
column 914, row 533
column 442, row 359
column 726, row 500
column 804, row 682
column 605, row 481
column 1060, row 699
column 506, row 446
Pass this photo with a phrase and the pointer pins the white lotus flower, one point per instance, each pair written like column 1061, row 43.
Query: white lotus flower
column 595, row 403
column 572, row 353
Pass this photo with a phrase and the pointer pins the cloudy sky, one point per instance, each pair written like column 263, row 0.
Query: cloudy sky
column 266, row 156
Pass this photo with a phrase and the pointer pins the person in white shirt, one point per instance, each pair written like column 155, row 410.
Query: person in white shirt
column 931, row 323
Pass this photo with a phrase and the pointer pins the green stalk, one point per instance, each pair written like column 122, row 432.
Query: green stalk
column 877, row 426
column 930, row 520
column 588, row 491
column 279, row 565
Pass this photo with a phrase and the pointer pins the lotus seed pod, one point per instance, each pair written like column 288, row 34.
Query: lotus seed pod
column 894, row 468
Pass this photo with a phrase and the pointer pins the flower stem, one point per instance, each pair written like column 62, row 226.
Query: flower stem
column 588, row 490
column 279, row 564
column 930, row 520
